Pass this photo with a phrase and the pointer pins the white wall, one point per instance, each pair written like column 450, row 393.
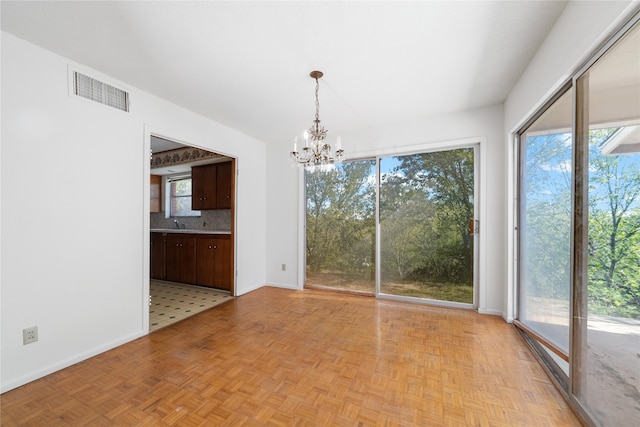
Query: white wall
column 74, row 187
column 578, row 32
column 283, row 187
column 284, row 195
column 581, row 28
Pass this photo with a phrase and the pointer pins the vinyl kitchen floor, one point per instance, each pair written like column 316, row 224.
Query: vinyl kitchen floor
column 172, row 302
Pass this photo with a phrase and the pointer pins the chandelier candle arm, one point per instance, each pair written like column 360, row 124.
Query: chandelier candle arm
column 319, row 153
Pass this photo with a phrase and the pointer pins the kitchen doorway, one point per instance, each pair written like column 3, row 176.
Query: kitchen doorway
column 191, row 224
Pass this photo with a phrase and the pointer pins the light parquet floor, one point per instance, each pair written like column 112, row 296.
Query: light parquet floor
column 278, row 357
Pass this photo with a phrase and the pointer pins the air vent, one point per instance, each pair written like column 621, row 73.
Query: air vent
column 98, row 91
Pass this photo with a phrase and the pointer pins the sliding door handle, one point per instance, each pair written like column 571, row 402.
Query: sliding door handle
column 474, row 226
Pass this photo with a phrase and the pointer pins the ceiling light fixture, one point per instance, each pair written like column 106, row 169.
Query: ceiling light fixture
column 316, row 152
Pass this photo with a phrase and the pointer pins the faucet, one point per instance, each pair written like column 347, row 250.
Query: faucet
column 175, row 221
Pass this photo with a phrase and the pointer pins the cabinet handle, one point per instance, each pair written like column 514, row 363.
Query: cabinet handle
column 209, row 246
column 215, row 247
column 228, row 196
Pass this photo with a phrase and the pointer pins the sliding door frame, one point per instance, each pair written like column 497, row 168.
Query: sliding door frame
column 539, row 344
column 518, row 204
column 480, row 293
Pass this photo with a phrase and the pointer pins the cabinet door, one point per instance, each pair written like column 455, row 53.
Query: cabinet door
column 157, row 256
column 223, row 184
column 172, row 243
column 203, row 187
column 181, row 258
column 155, row 194
column 205, row 263
column 214, row 262
column 224, row 268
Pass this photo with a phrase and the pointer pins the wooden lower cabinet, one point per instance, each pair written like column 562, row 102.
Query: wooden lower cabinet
column 197, row 259
column 213, row 262
column 180, row 258
column 157, row 255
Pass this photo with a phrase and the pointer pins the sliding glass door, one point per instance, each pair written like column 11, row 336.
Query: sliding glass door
column 425, row 235
column 545, row 226
column 579, row 235
column 427, row 225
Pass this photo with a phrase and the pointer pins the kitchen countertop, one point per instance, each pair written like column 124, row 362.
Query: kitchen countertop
column 188, row 231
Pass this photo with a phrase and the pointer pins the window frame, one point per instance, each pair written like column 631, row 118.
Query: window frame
column 169, row 209
column 538, row 343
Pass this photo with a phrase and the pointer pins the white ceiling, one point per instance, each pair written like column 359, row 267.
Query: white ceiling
column 247, row 64
column 159, row 145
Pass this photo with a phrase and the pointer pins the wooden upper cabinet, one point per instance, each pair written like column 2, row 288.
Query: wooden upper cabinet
column 156, row 194
column 211, row 186
column 223, row 184
column 203, row 187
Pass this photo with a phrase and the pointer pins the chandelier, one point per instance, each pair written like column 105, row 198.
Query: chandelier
column 316, row 152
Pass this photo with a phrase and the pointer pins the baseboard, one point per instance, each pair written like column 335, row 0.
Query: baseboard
column 250, row 289
column 68, row 362
column 283, row 285
column 491, row 312
column 272, row 284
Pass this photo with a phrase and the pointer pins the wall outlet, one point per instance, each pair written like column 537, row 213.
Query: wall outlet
column 284, row 267
column 29, row 335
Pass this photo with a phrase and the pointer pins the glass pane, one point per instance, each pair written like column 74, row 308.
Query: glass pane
column 610, row 389
column 181, row 187
column 545, row 223
column 181, row 198
column 426, row 202
column 180, row 206
column 340, row 221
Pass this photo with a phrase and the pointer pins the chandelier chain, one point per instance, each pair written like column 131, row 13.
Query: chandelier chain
column 317, row 103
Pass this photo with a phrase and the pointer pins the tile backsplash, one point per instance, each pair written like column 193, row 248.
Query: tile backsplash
column 211, row 220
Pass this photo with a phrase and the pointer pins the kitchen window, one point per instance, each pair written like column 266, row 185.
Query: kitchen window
column 179, row 189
